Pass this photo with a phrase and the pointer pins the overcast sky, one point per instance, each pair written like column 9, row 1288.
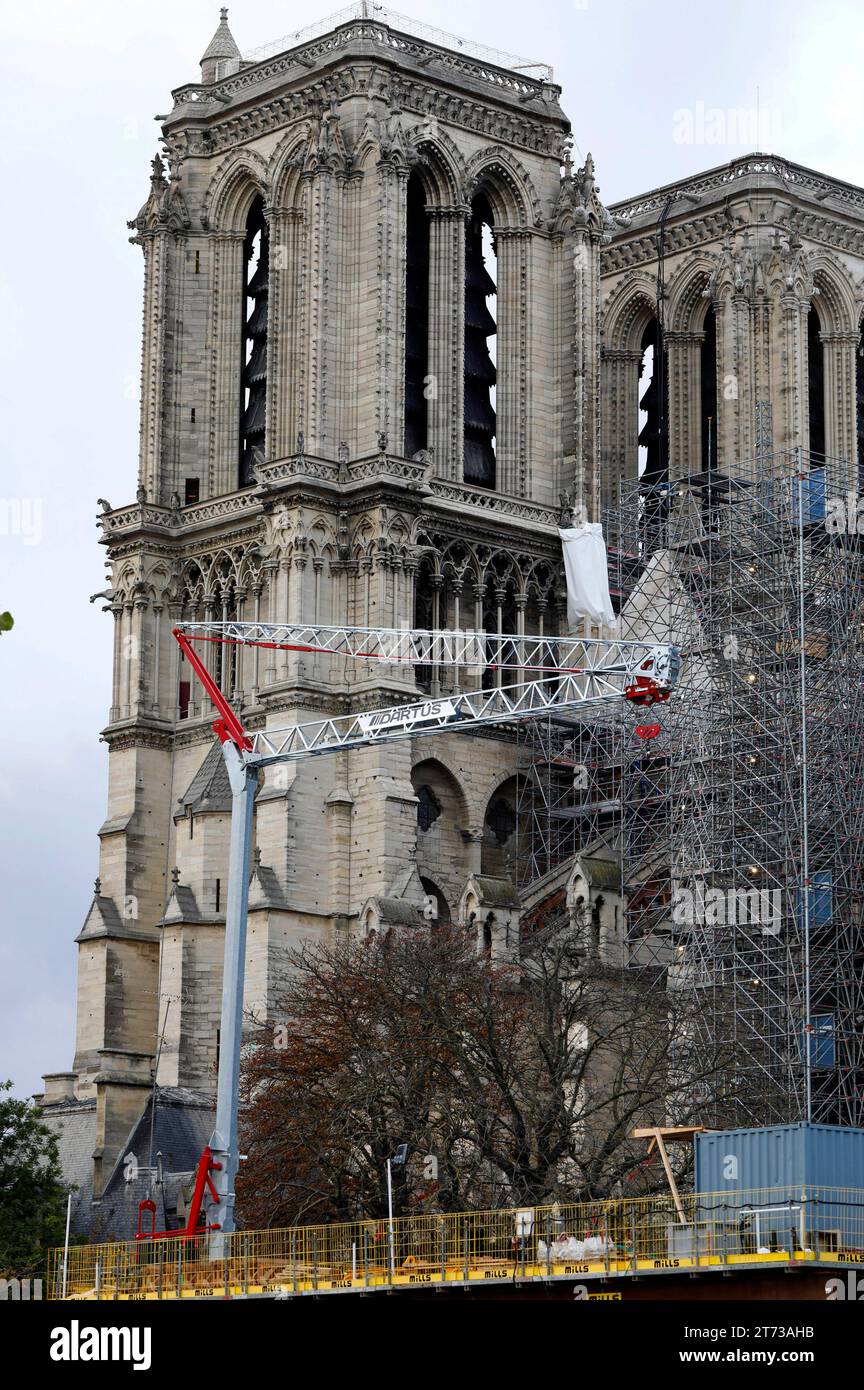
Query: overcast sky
column 654, row 90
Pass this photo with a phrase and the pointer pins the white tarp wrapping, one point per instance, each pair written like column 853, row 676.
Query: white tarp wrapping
column 587, row 574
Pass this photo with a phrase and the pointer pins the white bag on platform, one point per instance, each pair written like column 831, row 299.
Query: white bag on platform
column 587, row 574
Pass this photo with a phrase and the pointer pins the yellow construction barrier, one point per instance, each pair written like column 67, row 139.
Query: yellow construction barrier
column 600, row 1239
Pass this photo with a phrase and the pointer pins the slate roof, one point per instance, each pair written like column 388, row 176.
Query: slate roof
column 209, row 789
column 104, row 919
column 182, row 906
column 497, row 892
column 603, row 873
column 222, row 44
column 399, row 910
column 183, row 1125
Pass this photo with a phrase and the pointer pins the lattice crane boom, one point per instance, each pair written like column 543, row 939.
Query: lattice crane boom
column 574, row 673
column 427, row 646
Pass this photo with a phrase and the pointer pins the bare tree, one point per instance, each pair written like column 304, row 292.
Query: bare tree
column 524, row 1081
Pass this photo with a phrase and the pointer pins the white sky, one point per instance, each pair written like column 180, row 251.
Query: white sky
column 79, row 85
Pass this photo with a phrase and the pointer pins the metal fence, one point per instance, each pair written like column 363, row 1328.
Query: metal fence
column 592, row 1239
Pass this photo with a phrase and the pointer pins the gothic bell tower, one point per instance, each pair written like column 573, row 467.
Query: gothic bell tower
column 369, row 372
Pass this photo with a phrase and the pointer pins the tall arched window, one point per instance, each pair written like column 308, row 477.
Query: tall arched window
column 815, row 384
column 480, row 328
column 253, row 389
column 416, row 317
column 708, row 389
column 653, row 456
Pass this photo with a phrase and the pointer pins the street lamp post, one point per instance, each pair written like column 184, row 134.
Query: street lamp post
column 399, row 1157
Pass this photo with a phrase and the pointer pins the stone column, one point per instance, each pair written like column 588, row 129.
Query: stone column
column 208, row 655
column 794, row 427
column 513, row 441
column 390, row 329
column 456, row 588
column 126, row 650
column 317, row 365
column 446, row 407
column 155, row 246
column 620, row 448
column 436, row 583
column 175, row 615
column 225, row 346
column 411, row 566
column 256, row 651
column 271, row 572
column 156, row 675
column 839, row 351
column 521, row 604
column 479, row 595
column 584, row 319
column 292, row 607
column 735, row 368
column 241, row 655
column 284, row 333
column 116, row 686
column 684, row 380
column 500, row 600
column 474, row 836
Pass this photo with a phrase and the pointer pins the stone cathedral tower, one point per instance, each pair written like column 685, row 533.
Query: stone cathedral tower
column 381, row 311
column 369, row 372
column 760, row 292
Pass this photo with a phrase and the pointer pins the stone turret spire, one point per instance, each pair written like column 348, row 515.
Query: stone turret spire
column 221, row 48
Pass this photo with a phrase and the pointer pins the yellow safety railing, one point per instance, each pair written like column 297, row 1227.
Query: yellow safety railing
column 594, row 1239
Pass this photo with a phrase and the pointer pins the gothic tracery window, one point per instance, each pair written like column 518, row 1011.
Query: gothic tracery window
column 480, row 328
column 428, row 807
column 253, row 393
column 416, row 318
column 708, row 390
column 816, row 383
column 501, row 820
column 653, row 458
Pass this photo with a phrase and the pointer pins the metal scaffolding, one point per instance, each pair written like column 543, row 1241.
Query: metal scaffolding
column 737, row 830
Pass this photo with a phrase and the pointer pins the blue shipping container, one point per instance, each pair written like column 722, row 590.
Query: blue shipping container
column 815, row 1174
